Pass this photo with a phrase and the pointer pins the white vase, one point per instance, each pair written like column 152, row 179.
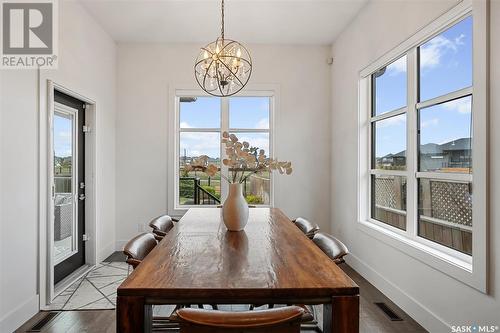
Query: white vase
column 235, row 208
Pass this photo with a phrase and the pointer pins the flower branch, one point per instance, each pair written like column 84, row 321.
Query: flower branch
column 242, row 160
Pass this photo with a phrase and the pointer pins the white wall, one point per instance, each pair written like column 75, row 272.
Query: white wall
column 18, row 242
column 145, row 72
column 87, row 65
column 435, row 300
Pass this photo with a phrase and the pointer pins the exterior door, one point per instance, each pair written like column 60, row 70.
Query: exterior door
column 68, row 185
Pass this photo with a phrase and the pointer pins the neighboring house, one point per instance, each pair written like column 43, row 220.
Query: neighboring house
column 450, row 155
column 457, row 153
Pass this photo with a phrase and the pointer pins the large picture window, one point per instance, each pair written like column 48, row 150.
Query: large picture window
column 420, row 115
column 423, row 145
column 200, row 124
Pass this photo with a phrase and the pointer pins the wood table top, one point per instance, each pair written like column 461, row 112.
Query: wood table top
column 271, row 259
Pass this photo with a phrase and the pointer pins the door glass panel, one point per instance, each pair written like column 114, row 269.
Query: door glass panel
column 64, row 208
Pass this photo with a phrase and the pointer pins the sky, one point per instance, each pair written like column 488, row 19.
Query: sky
column 205, row 112
column 445, row 66
column 62, row 136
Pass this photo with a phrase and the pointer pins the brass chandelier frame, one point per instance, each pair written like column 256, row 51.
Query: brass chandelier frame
column 217, row 60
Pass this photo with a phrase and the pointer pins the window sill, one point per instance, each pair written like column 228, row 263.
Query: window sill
column 454, row 267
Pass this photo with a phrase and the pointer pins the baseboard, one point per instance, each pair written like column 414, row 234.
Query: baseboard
column 18, row 316
column 120, row 244
column 106, row 252
column 411, row 306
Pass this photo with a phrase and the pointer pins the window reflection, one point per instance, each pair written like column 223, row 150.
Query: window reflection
column 445, row 137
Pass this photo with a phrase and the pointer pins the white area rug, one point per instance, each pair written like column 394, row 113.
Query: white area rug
column 94, row 291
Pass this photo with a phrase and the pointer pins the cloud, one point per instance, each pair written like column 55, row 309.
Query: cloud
column 430, row 122
column 393, row 121
column 197, row 144
column 63, row 144
column 62, row 150
column 263, row 123
column 461, row 105
column 432, row 51
column 430, row 54
column 256, row 140
column 184, row 124
column 398, row 66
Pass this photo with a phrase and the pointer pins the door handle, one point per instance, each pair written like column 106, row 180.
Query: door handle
column 81, row 197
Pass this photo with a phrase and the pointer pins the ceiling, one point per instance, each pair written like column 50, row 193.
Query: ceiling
column 250, row 21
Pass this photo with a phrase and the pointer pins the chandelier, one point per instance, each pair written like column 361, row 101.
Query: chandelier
column 223, row 67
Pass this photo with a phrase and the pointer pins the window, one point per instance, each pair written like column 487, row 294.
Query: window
column 388, row 126
column 444, row 113
column 443, row 135
column 200, row 123
column 423, row 145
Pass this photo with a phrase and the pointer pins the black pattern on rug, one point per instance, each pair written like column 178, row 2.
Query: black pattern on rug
column 96, row 290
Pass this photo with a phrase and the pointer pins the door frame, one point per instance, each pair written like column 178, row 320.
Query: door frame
column 46, row 174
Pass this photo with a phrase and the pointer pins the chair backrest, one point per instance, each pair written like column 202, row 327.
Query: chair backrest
column 278, row 320
column 138, row 248
column 161, row 225
column 331, row 246
column 306, row 226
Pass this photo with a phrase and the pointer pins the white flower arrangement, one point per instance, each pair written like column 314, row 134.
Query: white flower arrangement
column 242, row 160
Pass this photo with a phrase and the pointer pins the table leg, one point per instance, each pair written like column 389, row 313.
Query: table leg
column 132, row 314
column 342, row 315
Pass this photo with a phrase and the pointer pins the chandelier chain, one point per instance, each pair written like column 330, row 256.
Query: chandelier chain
column 222, row 21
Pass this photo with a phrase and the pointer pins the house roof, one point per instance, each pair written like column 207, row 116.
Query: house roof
column 459, row 144
column 434, row 148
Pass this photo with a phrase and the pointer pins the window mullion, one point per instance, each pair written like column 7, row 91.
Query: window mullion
column 369, row 102
column 224, row 186
column 412, row 145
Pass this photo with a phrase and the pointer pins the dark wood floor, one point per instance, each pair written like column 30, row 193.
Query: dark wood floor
column 372, row 319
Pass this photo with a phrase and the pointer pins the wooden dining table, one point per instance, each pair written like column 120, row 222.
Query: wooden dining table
column 271, row 262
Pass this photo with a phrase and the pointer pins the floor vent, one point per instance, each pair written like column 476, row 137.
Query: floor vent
column 387, row 310
column 44, row 321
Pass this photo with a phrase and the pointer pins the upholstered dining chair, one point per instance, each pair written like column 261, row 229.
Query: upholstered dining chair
column 161, row 225
column 138, row 248
column 331, row 246
column 307, row 227
column 279, row 320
